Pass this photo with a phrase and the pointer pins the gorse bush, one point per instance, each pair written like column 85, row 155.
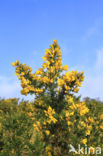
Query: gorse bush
column 59, row 120
column 17, row 135
column 56, row 118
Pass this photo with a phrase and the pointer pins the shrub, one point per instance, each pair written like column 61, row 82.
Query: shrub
column 60, row 119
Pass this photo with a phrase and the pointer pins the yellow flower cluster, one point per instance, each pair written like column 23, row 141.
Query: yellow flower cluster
column 53, row 53
column 29, row 114
column 68, row 114
column 90, row 120
column 37, row 126
column 47, row 132
column 65, row 67
column 61, row 82
column 46, row 80
column 38, row 91
column 71, row 81
column 48, row 74
column 15, row 64
column 48, row 148
column 69, row 99
column 89, row 128
column 23, row 72
column 82, row 108
column 84, row 141
column 68, row 117
column 25, row 91
column 101, row 117
column 84, row 124
column 52, row 58
column 101, row 127
column 49, row 113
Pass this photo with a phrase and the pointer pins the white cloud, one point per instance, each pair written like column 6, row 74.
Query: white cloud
column 94, row 29
column 92, row 87
column 9, row 87
column 93, row 83
column 99, row 60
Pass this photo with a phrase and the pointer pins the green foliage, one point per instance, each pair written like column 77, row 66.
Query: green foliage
column 95, row 105
column 17, row 135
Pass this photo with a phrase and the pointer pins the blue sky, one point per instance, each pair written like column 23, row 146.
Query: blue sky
column 27, row 28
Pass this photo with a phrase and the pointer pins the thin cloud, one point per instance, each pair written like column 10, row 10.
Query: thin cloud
column 93, row 30
column 92, row 87
column 93, row 83
column 99, row 60
column 8, row 87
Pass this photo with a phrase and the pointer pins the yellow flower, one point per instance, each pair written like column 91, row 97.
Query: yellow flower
column 90, row 120
column 47, row 132
column 76, row 90
column 65, row 67
column 16, row 63
column 70, row 99
column 82, row 108
column 51, row 80
column 38, row 91
column 25, row 91
column 44, row 58
column 67, row 87
column 73, row 106
column 37, row 126
column 53, row 119
column 52, row 69
column 69, row 123
column 48, row 149
column 45, row 79
column 29, row 114
column 101, row 127
column 88, row 132
column 49, row 113
column 89, row 127
column 13, row 64
column 72, row 113
column 49, row 154
column 83, row 124
column 84, row 141
column 101, row 117
column 30, row 69
column 16, row 74
column 44, row 123
column 45, row 65
column 67, row 114
column 61, row 82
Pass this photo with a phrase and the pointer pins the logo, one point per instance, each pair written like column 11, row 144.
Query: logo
column 85, row 150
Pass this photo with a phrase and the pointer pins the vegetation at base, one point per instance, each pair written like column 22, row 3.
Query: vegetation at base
column 17, row 134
